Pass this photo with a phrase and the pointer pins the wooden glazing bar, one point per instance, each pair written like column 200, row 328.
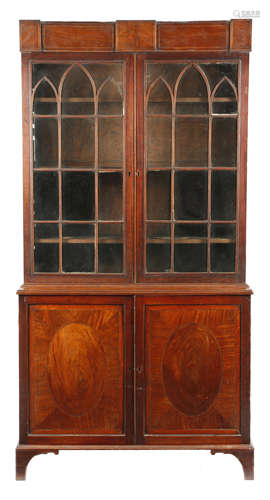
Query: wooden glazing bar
column 65, row 99
column 173, row 183
column 203, row 169
column 158, row 115
column 223, row 221
column 47, row 240
column 97, row 115
column 238, row 164
column 225, row 115
column 187, row 115
column 134, row 148
column 224, row 168
column 96, row 182
column 209, row 188
column 124, row 172
column 45, row 169
column 74, row 117
column 67, row 239
column 46, row 99
column 177, row 221
column 32, row 164
column 224, row 99
column 187, row 240
column 63, row 221
column 145, row 128
column 36, row 115
column 161, row 169
column 192, row 99
column 60, row 227
column 199, row 221
column 74, row 169
column 192, row 115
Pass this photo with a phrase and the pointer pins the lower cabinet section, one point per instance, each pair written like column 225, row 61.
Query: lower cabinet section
column 127, row 371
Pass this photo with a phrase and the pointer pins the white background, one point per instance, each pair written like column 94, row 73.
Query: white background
column 133, row 474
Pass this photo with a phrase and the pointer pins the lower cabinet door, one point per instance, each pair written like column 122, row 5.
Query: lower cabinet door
column 188, row 369
column 80, row 369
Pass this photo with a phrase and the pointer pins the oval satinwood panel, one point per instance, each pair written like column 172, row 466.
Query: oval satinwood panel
column 76, row 369
column 192, row 369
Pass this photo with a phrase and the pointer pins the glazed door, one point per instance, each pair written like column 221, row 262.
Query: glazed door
column 81, row 166
column 80, row 370
column 188, row 369
column 191, row 170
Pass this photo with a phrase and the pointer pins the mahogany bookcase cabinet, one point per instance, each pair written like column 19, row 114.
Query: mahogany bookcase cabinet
column 134, row 312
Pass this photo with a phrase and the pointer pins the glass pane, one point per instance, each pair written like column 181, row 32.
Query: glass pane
column 110, row 233
column 198, row 107
column 224, row 147
column 101, row 72
column 78, row 258
column 217, row 71
column 223, row 257
column 158, row 257
column 223, row 195
column 159, row 141
column 110, row 99
column 83, row 233
column 158, row 233
column 159, row 195
column 110, row 196
column 45, row 136
column 110, row 258
column 224, row 99
column 192, row 94
column 191, row 142
column 159, row 100
column 46, row 257
column 190, row 258
column 77, row 93
column 110, row 142
column 190, row 233
column 46, row 195
column 223, row 233
column 45, row 100
column 46, row 233
column 78, row 142
column 191, row 195
column 110, row 248
column 53, row 72
column 225, row 106
column 78, row 195
column 168, row 71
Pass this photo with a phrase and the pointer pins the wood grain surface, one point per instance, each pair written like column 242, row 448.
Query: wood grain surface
column 76, row 369
column 189, row 379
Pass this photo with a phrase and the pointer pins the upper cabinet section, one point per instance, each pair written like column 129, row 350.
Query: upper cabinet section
column 92, row 172
column 136, row 36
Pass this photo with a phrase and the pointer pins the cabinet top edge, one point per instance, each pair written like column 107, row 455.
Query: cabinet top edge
column 136, row 36
column 137, row 289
